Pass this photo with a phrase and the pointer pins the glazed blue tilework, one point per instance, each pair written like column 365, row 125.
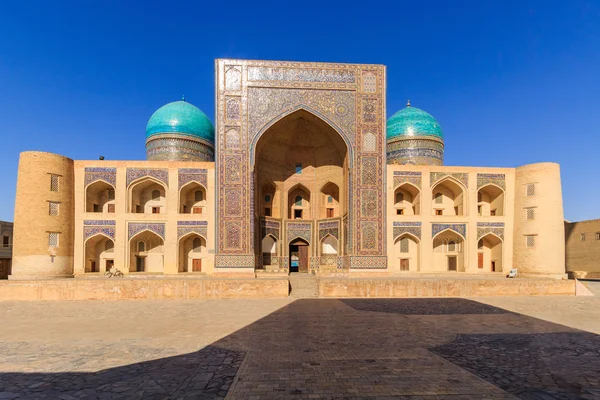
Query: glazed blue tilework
column 461, row 229
column 200, row 230
column 462, row 177
column 404, row 156
column 108, row 175
column 192, row 223
column 168, row 148
column 497, row 228
column 187, row 175
column 136, row 173
column 269, row 227
column 411, row 122
column 401, row 177
column 182, row 118
column 137, row 227
column 329, row 228
column 98, row 222
column 496, row 179
column 89, row 231
column 368, row 262
column 400, row 228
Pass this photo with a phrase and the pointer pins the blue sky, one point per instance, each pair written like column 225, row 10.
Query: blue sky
column 511, row 82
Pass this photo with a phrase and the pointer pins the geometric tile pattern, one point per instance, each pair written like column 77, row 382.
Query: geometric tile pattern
column 496, row 179
column 497, row 228
column 89, row 231
column 270, row 227
column 185, row 227
column 413, row 228
column 109, row 175
column 160, row 174
column 401, row 177
column 299, row 230
column 186, row 175
column 459, row 176
column 137, row 227
column 329, row 228
column 461, row 229
column 368, row 262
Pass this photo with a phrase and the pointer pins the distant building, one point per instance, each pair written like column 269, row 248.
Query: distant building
column 6, row 235
column 583, row 248
column 303, row 172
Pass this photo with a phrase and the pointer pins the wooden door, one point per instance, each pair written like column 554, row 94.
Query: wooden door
column 404, row 264
column 197, row 265
column 140, row 264
column 302, row 258
column 452, row 263
column 480, row 260
column 197, row 210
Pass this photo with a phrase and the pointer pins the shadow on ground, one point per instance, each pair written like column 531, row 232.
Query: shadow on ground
column 356, row 348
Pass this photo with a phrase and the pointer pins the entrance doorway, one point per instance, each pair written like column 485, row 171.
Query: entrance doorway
column 197, row 265
column 140, row 264
column 451, row 263
column 109, row 264
column 299, row 256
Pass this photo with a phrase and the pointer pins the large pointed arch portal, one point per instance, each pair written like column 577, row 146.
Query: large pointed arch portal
column 292, row 125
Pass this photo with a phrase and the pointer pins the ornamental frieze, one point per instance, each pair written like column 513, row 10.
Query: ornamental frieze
column 402, row 177
column 109, row 175
column 461, row 229
column 462, row 177
column 497, row 228
column 160, row 174
column 495, row 179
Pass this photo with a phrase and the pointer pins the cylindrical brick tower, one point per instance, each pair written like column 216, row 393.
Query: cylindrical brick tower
column 44, row 215
column 539, row 237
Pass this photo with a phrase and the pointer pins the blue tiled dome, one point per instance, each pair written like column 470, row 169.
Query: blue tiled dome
column 412, row 121
column 183, row 118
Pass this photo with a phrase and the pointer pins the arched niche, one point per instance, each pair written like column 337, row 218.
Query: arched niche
column 100, row 197
column 330, row 201
column 192, row 198
column 148, row 257
column 448, row 198
column 99, row 253
column 406, row 253
column 299, row 202
column 269, row 200
column 407, row 200
column 269, row 250
column 192, row 251
column 147, row 196
column 490, row 201
column 489, row 253
column 448, row 252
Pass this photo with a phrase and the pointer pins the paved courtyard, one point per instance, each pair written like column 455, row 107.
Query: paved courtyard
column 485, row 348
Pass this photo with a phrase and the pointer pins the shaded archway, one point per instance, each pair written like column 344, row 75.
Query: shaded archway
column 329, row 201
column 299, row 250
column 329, row 250
column 269, row 250
column 448, row 198
column 407, row 200
column 448, row 252
column 299, row 202
column 489, row 253
column 100, row 197
column 147, row 196
column 269, row 200
column 406, row 253
column 99, row 253
column 192, row 250
column 192, row 198
column 146, row 252
column 490, row 201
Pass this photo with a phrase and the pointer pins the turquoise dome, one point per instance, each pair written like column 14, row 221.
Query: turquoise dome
column 412, row 121
column 182, row 118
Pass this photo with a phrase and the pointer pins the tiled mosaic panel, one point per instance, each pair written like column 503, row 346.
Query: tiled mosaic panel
column 369, row 142
column 233, row 78
column 400, row 228
column 99, row 222
column 232, row 139
column 235, row 261
column 109, row 175
column 184, row 230
column 136, row 227
column 269, row 227
column 233, row 108
column 495, row 179
column 368, row 231
column 179, row 149
column 402, row 177
column 368, row 174
column 462, row 177
column 415, row 151
column 461, row 229
column 299, row 230
column 369, row 111
column 369, row 82
column 161, row 175
column 368, row 262
column 497, row 228
column 186, row 175
column 329, row 228
column 89, row 231
column 369, row 202
column 300, row 75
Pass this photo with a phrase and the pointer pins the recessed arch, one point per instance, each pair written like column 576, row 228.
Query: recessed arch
column 490, row 252
column 98, row 257
column 449, row 197
column 269, row 201
column 407, row 199
column 191, row 252
column 299, row 202
column 449, row 253
column 448, row 230
column 151, row 259
column 329, row 245
column 490, row 200
column 329, row 200
column 140, row 196
column 100, row 197
column 406, row 254
column 188, row 199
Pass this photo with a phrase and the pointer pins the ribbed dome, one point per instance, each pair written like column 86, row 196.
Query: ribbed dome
column 183, row 118
column 412, row 121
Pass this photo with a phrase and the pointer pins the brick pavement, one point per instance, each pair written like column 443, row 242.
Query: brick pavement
column 304, row 349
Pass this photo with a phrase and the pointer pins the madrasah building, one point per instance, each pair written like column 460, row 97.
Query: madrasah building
column 302, row 172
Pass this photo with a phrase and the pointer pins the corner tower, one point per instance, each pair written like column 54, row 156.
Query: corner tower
column 180, row 131
column 414, row 137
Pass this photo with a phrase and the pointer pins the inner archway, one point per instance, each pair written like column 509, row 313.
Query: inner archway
column 146, row 252
column 305, row 159
column 99, row 254
column 489, row 253
column 448, row 252
column 192, row 249
column 406, row 254
column 299, row 255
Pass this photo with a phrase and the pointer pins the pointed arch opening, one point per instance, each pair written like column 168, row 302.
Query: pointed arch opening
column 406, row 253
column 192, row 251
column 146, row 252
column 99, row 253
column 269, row 250
column 329, row 197
column 299, row 250
column 448, row 252
column 299, row 202
column 192, row 198
column 100, row 197
column 490, row 201
column 269, row 200
column 147, row 196
column 449, row 197
column 407, row 200
column 489, row 253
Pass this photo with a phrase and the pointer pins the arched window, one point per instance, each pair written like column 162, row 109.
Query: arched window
column 197, row 244
column 156, row 195
column 267, row 198
column 451, row 246
column 109, row 245
column 198, row 195
column 330, row 199
column 399, row 197
column 141, row 246
column 438, row 198
column 299, row 201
